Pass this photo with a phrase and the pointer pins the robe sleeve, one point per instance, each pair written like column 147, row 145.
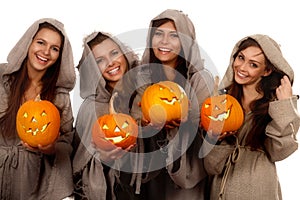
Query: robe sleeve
column 281, row 131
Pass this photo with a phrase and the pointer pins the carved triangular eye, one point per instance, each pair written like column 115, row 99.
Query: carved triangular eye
column 125, row 125
column 105, row 127
column 206, row 105
column 43, row 114
column 25, row 115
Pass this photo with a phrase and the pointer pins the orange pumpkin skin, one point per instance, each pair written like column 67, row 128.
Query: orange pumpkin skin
column 38, row 122
column 221, row 113
column 113, row 130
column 163, row 102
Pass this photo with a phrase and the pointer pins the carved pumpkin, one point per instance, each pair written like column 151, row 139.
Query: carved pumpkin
column 163, row 102
column 221, row 113
column 114, row 129
column 38, row 122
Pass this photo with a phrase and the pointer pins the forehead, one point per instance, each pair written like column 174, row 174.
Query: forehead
column 49, row 35
column 168, row 26
column 105, row 47
column 253, row 52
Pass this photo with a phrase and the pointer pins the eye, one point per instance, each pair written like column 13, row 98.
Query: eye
column 158, row 33
column 105, row 127
column 56, row 49
column 25, row 115
column 253, row 65
column 174, row 35
column 125, row 125
column 206, row 105
column 115, row 52
column 224, row 101
column 41, row 42
column 99, row 60
column 43, row 114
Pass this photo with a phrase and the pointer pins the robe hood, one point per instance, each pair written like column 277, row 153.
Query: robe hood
column 187, row 36
column 66, row 78
column 271, row 50
column 92, row 83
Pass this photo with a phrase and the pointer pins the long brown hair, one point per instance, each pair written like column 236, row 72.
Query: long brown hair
column 259, row 108
column 19, row 82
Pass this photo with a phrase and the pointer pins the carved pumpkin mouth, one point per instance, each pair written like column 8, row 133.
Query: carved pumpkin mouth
column 117, row 139
column 220, row 117
column 169, row 102
column 35, row 131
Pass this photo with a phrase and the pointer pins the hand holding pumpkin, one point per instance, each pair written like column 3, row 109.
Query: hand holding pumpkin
column 48, row 149
column 113, row 154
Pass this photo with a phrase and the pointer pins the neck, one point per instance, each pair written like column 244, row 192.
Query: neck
column 249, row 95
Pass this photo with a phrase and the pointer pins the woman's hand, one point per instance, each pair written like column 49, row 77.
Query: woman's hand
column 114, row 154
column 284, row 91
column 48, row 149
column 220, row 136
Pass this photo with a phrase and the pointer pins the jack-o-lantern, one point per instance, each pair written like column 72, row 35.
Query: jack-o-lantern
column 38, row 122
column 114, row 129
column 163, row 102
column 221, row 113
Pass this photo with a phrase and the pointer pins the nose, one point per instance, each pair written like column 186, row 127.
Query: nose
column 110, row 62
column 243, row 66
column 47, row 50
column 165, row 39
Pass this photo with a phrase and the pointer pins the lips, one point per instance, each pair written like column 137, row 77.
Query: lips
column 42, row 59
column 241, row 75
column 113, row 71
column 164, row 49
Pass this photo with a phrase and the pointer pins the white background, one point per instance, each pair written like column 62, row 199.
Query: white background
column 219, row 25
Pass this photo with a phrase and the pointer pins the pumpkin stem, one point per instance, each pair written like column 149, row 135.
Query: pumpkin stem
column 37, row 98
column 216, row 86
column 111, row 103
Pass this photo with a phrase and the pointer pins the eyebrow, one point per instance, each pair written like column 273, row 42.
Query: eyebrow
column 260, row 53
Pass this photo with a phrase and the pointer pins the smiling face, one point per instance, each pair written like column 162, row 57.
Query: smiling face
column 44, row 50
column 250, row 66
column 111, row 61
column 166, row 44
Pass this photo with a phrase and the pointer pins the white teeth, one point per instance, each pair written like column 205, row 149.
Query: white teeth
column 113, row 70
column 164, row 49
column 43, row 59
column 241, row 75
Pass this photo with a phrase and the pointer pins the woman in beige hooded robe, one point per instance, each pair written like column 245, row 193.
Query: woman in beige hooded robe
column 243, row 165
column 44, row 172
column 96, row 178
column 170, row 164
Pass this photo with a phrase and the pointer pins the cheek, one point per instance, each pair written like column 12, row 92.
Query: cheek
column 54, row 55
column 123, row 64
column 176, row 46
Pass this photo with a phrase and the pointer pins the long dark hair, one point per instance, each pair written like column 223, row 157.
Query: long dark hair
column 19, row 82
column 259, row 108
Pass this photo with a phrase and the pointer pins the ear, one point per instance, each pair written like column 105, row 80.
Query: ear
column 268, row 72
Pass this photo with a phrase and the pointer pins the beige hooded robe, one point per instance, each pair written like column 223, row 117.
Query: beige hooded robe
column 32, row 175
column 171, row 166
column 239, row 173
column 94, row 180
